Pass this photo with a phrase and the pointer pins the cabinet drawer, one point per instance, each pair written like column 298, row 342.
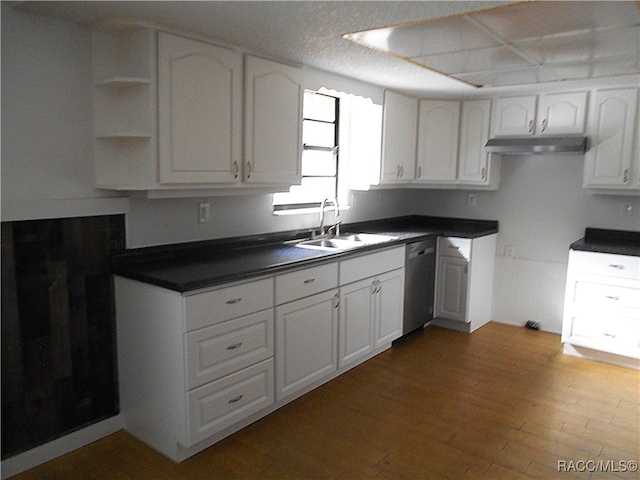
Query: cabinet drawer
column 619, row 330
column 608, row 296
column 454, row 247
column 220, row 404
column 216, row 306
column 227, row 347
column 608, row 264
column 358, row 268
column 309, row 281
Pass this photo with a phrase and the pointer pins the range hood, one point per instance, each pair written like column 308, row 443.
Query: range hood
column 538, row 145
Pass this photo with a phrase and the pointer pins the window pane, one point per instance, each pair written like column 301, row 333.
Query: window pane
column 318, row 134
column 320, row 163
column 319, row 107
column 314, row 189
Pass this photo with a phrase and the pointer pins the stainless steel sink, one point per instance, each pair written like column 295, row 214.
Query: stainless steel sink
column 345, row 242
column 367, row 238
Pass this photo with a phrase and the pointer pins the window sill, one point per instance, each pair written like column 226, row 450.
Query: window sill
column 304, row 211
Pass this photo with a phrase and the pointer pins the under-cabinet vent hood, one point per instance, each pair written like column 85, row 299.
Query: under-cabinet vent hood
column 538, row 145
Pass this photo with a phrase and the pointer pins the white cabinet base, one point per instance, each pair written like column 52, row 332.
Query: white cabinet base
column 600, row 356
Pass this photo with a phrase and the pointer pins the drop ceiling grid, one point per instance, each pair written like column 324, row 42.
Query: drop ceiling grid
column 523, row 43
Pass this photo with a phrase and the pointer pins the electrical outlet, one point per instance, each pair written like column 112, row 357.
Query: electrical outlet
column 204, row 212
column 471, row 200
column 509, row 251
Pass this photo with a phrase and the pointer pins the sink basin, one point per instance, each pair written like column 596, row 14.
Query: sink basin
column 366, row 238
column 329, row 244
column 345, row 242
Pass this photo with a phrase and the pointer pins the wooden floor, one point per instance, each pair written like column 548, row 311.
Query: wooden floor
column 503, row 402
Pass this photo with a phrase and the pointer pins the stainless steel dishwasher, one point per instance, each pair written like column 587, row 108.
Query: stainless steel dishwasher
column 419, row 284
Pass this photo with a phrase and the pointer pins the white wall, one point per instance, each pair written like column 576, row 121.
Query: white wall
column 542, row 208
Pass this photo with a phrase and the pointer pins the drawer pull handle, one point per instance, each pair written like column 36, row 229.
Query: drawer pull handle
column 234, row 346
column 616, row 266
column 233, row 301
column 612, row 297
column 454, row 247
column 236, row 399
column 309, row 281
column 612, row 335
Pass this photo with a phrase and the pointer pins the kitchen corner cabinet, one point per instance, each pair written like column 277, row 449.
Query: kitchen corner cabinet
column 464, row 282
column 602, row 307
column 438, row 126
column 273, row 122
column 613, row 161
column 399, row 130
column 561, row 113
column 199, row 111
column 476, row 167
column 371, row 303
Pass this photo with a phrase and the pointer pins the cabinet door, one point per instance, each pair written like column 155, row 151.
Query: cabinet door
column 513, row 116
column 613, row 131
column 399, row 124
column 473, row 160
column 273, row 123
column 306, row 342
column 199, row 111
column 561, row 113
column 389, row 303
column 356, row 320
column 451, row 289
column 438, row 127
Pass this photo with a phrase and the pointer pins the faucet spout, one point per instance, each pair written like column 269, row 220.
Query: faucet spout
column 323, row 206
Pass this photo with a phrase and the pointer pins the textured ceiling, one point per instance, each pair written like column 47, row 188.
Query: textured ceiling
column 304, row 32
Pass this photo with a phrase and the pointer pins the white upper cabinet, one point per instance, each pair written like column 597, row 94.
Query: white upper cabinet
column 199, row 111
column 399, row 125
column 438, row 126
column 473, row 161
column 513, row 116
column 561, row 113
column 273, row 122
column 613, row 161
column 549, row 114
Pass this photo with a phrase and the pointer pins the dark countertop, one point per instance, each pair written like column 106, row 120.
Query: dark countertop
column 191, row 266
column 619, row 242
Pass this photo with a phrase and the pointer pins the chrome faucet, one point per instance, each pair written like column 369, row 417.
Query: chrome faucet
column 336, row 213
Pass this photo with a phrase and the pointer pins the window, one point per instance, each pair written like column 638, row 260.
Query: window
column 320, row 155
column 342, row 135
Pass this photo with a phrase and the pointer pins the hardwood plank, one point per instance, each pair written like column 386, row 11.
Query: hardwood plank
column 500, row 403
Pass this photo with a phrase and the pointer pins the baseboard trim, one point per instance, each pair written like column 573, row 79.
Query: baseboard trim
column 56, row 448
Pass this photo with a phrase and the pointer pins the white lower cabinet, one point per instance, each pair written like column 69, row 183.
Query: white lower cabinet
column 464, row 282
column 306, row 342
column 602, row 307
column 195, row 367
column 370, row 309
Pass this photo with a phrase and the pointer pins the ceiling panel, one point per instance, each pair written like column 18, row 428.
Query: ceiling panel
column 522, row 43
